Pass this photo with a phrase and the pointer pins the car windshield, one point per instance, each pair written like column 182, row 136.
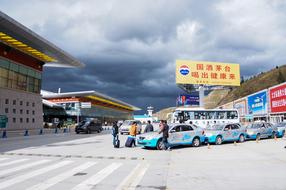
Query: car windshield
column 280, row 125
column 254, row 126
column 215, row 127
column 127, row 122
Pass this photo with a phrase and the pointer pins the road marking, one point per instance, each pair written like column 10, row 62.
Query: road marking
column 97, row 178
column 22, row 167
column 52, row 181
column 12, row 162
column 32, row 174
column 134, row 178
column 2, row 159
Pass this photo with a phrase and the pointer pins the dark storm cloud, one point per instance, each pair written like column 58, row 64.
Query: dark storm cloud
column 130, row 47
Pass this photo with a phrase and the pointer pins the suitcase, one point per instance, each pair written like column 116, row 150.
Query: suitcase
column 117, row 143
column 129, row 142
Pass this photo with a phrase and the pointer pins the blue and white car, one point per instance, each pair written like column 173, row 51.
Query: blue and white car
column 261, row 130
column 220, row 133
column 281, row 127
column 179, row 134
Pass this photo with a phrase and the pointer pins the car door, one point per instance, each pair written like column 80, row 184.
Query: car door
column 188, row 134
column 269, row 129
column 175, row 135
column 92, row 126
column 263, row 130
column 235, row 131
column 227, row 135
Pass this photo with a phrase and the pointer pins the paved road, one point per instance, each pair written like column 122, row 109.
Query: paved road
column 69, row 161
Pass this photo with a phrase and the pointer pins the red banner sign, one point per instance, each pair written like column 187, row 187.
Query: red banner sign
column 278, row 99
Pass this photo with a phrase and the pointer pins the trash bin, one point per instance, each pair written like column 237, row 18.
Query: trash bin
column 3, row 121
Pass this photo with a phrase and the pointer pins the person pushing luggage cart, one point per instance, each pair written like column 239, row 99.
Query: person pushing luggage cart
column 131, row 139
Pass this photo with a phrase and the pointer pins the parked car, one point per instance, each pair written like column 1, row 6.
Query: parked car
column 260, row 130
column 281, row 127
column 126, row 125
column 88, row 126
column 179, row 134
column 220, row 133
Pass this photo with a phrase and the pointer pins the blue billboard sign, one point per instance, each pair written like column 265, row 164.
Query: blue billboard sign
column 188, row 100
column 257, row 103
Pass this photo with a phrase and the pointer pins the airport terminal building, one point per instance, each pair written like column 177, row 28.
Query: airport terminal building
column 23, row 54
column 89, row 104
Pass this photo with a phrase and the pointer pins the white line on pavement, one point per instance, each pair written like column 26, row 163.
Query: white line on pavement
column 22, row 167
column 32, row 174
column 134, row 178
column 52, row 181
column 2, row 159
column 12, row 162
column 97, row 178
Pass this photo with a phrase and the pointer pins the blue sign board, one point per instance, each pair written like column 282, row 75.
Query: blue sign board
column 188, row 100
column 257, row 103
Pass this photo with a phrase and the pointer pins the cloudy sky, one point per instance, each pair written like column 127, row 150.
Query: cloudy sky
column 130, row 47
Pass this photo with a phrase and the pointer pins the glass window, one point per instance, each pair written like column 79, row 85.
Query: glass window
column 33, row 112
column 27, row 120
column 210, row 115
column 33, row 120
column 232, row 115
column 27, row 111
column 6, row 101
column 4, row 63
column 14, row 120
column 3, row 72
column 33, row 104
column 14, row 102
column 234, row 127
column 27, row 103
column 6, row 110
column 21, row 103
column 21, row 111
column 14, row 67
column 14, row 111
column 186, row 128
column 221, row 115
column 21, row 120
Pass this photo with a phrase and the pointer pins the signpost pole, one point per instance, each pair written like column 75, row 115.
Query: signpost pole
column 202, row 96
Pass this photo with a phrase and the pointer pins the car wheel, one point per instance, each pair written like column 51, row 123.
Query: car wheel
column 121, row 133
column 88, row 131
column 218, row 140
column 160, row 145
column 241, row 138
column 77, row 132
column 273, row 135
column 196, row 142
column 258, row 137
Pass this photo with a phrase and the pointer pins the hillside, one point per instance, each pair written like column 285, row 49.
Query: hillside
column 164, row 114
column 255, row 84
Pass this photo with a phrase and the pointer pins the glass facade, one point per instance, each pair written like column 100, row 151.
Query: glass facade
column 19, row 77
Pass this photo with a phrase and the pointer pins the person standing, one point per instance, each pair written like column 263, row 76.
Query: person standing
column 149, row 127
column 115, row 132
column 133, row 132
column 165, row 130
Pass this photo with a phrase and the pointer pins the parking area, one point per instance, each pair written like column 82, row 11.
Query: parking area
column 248, row 165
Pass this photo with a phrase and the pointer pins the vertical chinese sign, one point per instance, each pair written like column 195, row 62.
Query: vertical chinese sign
column 208, row 73
column 278, row 98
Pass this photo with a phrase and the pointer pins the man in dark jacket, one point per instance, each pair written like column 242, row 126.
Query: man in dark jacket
column 115, row 132
column 165, row 131
column 149, row 127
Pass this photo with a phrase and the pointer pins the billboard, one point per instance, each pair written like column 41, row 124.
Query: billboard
column 209, row 73
column 188, row 100
column 241, row 106
column 257, row 103
column 278, row 99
